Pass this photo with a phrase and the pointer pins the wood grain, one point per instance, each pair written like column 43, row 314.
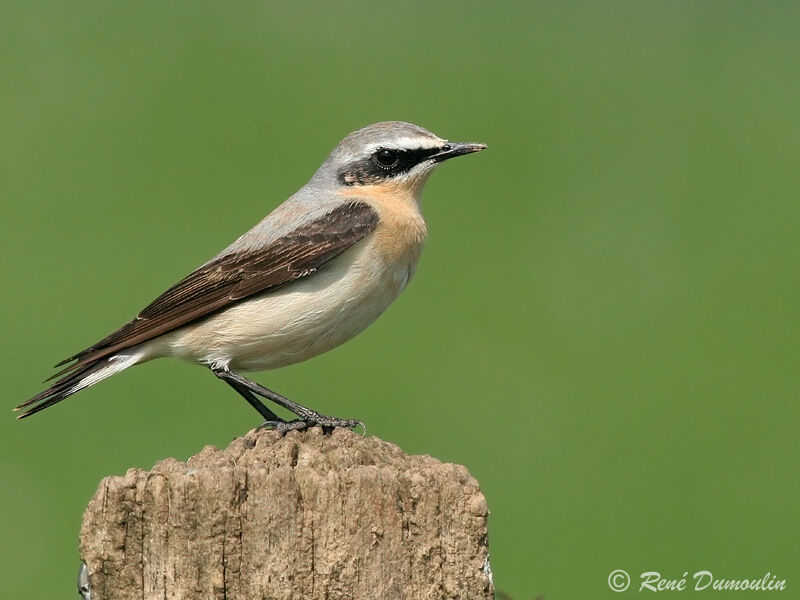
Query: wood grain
column 304, row 515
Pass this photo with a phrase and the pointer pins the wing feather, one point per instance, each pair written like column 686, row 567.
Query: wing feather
column 234, row 277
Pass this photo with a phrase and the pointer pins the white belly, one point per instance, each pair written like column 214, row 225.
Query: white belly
column 299, row 320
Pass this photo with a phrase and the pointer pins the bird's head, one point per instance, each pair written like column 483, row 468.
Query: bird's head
column 392, row 154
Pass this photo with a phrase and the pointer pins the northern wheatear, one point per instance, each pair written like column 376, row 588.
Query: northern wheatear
column 310, row 276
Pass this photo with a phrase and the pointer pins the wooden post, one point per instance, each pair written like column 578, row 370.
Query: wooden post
column 298, row 516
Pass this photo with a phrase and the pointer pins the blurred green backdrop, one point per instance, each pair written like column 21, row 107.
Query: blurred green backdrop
column 603, row 326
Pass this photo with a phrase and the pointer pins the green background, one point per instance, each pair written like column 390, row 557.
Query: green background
column 603, row 326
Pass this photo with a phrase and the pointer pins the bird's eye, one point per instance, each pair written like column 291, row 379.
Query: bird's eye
column 387, row 158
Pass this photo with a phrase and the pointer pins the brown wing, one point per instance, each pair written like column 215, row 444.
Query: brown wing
column 234, row 277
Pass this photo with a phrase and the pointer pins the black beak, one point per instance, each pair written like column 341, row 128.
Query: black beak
column 451, row 149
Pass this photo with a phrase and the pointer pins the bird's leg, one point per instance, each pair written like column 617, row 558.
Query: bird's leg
column 270, row 418
column 307, row 417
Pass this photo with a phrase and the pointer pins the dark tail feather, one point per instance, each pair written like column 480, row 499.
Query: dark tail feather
column 78, row 356
column 61, row 389
column 65, row 361
column 66, row 370
column 82, row 377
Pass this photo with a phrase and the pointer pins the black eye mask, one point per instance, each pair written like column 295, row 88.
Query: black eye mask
column 383, row 164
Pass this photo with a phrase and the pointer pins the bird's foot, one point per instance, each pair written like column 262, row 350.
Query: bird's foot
column 328, row 424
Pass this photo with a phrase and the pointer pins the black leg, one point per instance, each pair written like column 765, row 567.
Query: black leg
column 252, row 400
column 307, row 417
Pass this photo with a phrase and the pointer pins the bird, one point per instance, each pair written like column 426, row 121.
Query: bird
column 312, row 274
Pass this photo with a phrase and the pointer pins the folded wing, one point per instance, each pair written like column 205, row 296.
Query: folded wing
column 230, row 279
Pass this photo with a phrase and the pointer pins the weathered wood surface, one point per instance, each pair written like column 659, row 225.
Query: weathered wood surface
column 300, row 516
